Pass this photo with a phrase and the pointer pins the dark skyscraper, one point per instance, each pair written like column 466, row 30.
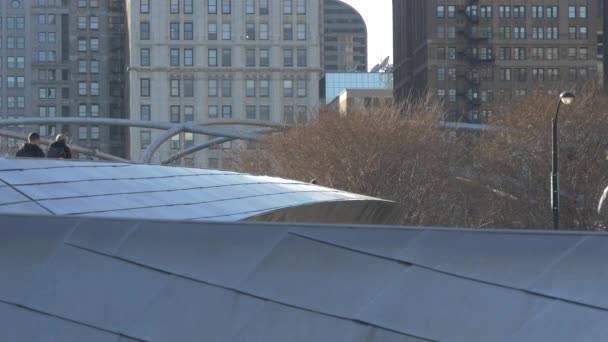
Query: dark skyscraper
column 345, row 38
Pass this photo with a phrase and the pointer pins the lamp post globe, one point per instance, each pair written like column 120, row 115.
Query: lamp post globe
column 566, row 97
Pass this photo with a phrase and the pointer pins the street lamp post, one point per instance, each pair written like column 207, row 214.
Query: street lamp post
column 565, row 98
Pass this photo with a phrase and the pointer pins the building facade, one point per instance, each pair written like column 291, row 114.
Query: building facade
column 64, row 58
column 344, row 38
column 336, row 83
column 220, row 59
column 475, row 54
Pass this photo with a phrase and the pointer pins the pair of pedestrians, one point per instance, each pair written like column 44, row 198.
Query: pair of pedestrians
column 58, row 149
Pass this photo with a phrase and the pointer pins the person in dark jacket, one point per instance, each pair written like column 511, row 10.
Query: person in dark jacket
column 59, row 149
column 31, row 149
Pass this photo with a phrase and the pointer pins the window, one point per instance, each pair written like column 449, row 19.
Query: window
column 451, row 11
column 552, row 12
column 301, row 57
column 212, row 89
column 226, row 31
column 82, row 66
column 441, row 74
column 82, row 22
column 504, row 11
column 264, row 58
column 263, row 31
column 441, row 53
column 145, row 112
column 250, row 58
column 440, row 32
column 174, row 90
column 82, row 44
column 582, row 73
column 250, row 31
column 440, row 11
column 250, row 88
column 188, row 31
column 82, row 88
column 452, row 53
column 226, row 6
column 582, row 32
column 441, row 92
column 94, row 23
column 287, row 88
column 504, row 32
column 94, row 133
column 188, row 87
column 94, row 89
column 538, row 33
column 302, row 88
column 572, row 32
column 188, row 7
column 212, row 31
column 521, row 74
column 519, row 11
column 265, row 113
column 188, row 113
column 552, row 53
column 83, row 133
column 94, row 44
column 451, row 32
column 250, row 112
column 213, row 112
column 519, row 32
column 301, row 31
column 82, row 110
column 537, row 12
column 188, row 57
column 263, row 6
column 144, row 30
column 145, row 87
column 174, row 30
column 212, row 7
column 452, row 95
column 287, row 57
column 175, row 115
column 264, row 88
column 505, row 74
column 301, row 6
column 571, row 12
column 174, row 7
column 227, row 57
column 212, row 57
column 583, row 53
column 538, row 74
column 582, row 12
column 226, row 88
column 144, row 138
column 288, row 114
column 226, row 112
column 572, row 53
column 94, row 67
column 174, row 57
column 144, row 7
column 572, row 74
column 287, row 6
column 287, row 32
column 552, row 32
column 174, row 142
column 485, row 11
column 250, row 7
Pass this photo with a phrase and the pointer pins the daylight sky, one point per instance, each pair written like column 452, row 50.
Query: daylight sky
column 379, row 19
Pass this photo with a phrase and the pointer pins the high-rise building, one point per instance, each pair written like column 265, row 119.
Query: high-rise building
column 344, row 38
column 221, row 59
column 64, row 58
column 474, row 54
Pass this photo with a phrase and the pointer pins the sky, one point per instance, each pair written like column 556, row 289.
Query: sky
column 379, row 20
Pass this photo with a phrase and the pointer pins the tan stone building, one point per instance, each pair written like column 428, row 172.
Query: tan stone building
column 474, row 54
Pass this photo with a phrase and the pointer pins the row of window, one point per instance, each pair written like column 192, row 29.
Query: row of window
column 91, row 22
column 91, row 44
column 515, row 32
column 187, row 6
column 518, row 74
column 513, row 11
column 516, row 53
column 212, row 34
column 253, row 57
column 14, row 42
column 223, row 88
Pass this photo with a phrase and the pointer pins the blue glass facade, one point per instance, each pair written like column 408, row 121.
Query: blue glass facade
column 335, row 83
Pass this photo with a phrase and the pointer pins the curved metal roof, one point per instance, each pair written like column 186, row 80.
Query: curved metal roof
column 42, row 186
column 88, row 279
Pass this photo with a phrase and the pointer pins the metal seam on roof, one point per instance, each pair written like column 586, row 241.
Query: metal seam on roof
column 452, row 274
column 235, row 290
column 65, row 319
